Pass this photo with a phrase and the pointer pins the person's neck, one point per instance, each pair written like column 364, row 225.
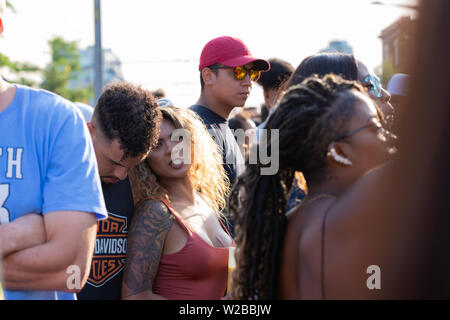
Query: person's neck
column 7, row 93
column 213, row 104
column 329, row 188
column 180, row 190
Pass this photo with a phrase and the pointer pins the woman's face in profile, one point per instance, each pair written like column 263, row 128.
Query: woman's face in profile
column 371, row 145
column 167, row 159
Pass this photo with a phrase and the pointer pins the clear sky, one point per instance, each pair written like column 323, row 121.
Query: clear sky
column 159, row 41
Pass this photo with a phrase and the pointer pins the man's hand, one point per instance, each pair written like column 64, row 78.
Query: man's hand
column 24, row 232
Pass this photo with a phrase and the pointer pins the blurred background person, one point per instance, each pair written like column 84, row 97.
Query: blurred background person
column 397, row 88
column 376, row 91
column 409, row 239
column 159, row 93
column 321, row 64
column 243, row 129
column 271, row 82
column 86, row 110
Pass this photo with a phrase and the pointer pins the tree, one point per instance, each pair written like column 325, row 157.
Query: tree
column 10, row 6
column 64, row 67
column 20, row 70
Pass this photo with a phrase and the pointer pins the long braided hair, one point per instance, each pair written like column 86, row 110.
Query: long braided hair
column 308, row 117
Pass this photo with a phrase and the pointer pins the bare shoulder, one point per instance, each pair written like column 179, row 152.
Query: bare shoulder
column 303, row 217
column 301, row 255
column 305, row 229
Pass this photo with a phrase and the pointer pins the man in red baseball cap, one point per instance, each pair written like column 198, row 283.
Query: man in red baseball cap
column 227, row 71
column 231, row 52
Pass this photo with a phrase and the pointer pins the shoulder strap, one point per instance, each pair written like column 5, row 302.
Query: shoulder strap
column 224, row 227
column 177, row 216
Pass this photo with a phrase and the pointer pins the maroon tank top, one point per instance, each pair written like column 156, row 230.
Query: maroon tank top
column 198, row 271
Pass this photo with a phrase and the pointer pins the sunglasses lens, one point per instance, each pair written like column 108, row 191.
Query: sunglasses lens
column 377, row 87
column 240, row 73
column 373, row 84
column 254, row 74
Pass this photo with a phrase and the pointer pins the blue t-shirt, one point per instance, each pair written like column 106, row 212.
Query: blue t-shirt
column 47, row 163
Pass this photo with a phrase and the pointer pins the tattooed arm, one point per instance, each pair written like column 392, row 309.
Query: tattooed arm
column 149, row 227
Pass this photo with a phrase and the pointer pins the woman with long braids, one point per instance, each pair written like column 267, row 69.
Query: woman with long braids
column 329, row 130
column 347, row 67
column 320, row 64
column 178, row 246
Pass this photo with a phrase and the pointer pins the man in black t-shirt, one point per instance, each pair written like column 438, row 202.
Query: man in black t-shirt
column 124, row 128
column 105, row 278
column 227, row 70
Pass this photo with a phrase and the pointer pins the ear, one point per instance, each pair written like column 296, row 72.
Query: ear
column 338, row 153
column 208, row 76
column 92, row 130
column 268, row 97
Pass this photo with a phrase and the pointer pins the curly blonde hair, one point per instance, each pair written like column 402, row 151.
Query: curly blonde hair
column 206, row 173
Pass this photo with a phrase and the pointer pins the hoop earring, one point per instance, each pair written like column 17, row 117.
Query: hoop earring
column 338, row 158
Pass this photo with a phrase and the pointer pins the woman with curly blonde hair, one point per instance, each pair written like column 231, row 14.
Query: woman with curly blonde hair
column 177, row 245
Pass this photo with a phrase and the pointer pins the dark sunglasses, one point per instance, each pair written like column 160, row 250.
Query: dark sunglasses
column 241, row 72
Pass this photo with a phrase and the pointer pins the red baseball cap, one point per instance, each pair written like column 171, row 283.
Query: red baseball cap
column 230, row 52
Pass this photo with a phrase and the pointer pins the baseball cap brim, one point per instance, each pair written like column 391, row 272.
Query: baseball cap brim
column 398, row 84
column 259, row 64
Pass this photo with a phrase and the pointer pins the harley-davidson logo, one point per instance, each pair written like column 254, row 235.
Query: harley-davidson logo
column 110, row 249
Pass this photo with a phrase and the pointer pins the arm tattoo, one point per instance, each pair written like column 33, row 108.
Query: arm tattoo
column 150, row 224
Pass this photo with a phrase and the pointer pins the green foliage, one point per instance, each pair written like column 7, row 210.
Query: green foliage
column 10, row 6
column 385, row 71
column 64, row 67
column 388, row 71
column 20, row 71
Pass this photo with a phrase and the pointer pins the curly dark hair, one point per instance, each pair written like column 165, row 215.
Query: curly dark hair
column 308, row 117
column 131, row 114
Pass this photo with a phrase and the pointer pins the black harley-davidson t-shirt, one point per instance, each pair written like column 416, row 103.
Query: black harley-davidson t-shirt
column 105, row 278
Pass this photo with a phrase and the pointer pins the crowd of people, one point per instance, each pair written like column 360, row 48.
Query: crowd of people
column 138, row 198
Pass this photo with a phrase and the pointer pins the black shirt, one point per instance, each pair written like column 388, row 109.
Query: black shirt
column 105, row 278
column 233, row 161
